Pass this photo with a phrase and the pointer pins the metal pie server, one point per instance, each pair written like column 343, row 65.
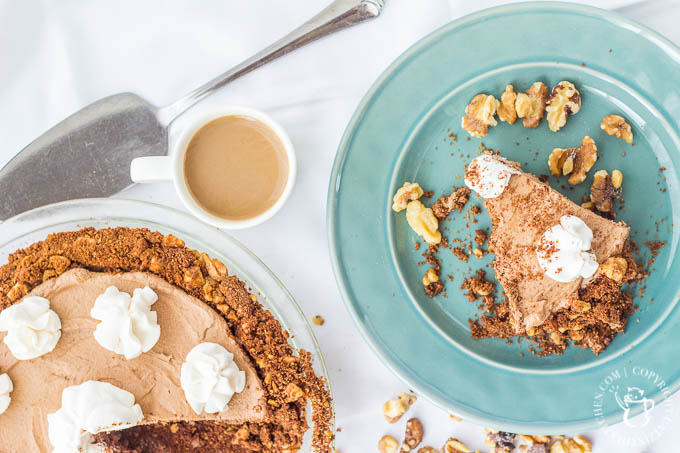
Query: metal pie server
column 89, row 153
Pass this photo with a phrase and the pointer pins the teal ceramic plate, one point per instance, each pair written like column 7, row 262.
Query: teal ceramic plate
column 400, row 132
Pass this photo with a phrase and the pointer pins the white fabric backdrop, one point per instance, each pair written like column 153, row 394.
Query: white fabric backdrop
column 56, row 57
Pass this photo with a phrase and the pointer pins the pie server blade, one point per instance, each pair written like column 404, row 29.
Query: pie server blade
column 86, row 155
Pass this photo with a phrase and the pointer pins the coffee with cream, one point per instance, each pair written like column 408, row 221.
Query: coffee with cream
column 236, row 167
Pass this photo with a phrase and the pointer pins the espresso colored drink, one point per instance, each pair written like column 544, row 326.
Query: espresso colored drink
column 236, row 167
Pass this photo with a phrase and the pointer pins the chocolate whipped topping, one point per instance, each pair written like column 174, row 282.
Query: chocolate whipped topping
column 153, row 377
column 520, row 216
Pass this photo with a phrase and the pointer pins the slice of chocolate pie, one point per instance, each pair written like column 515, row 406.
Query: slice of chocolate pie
column 123, row 340
column 561, row 266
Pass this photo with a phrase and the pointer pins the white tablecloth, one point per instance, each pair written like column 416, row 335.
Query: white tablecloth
column 56, row 57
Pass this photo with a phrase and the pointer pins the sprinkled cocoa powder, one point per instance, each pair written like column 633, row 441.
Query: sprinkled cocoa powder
column 254, row 328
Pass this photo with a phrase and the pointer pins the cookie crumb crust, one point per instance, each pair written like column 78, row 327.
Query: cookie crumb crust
column 279, row 366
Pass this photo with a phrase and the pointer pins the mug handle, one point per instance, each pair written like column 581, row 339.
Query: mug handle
column 151, row 169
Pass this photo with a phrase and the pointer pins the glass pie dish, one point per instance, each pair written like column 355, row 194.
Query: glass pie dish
column 35, row 225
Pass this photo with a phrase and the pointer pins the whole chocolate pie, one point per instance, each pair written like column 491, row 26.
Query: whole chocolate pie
column 138, row 344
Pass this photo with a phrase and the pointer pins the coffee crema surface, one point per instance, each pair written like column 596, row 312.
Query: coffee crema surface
column 236, row 167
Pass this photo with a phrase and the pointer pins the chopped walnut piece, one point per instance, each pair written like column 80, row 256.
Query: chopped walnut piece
column 580, row 306
column 85, row 242
column 615, row 268
column 156, row 265
column 501, row 440
column 48, row 274
column 193, row 278
column 423, row 222
column 479, row 115
column 59, row 263
column 535, row 448
column 561, row 161
column 407, row 398
column 388, row 444
column 408, row 192
column 414, row 435
column 589, row 205
column 605, row 189
column 430, row 276
column 535, row 439
column 564, row 100
column 293, row 392
column 17, row 291
column 428, row 449
column 582, row 442
column 531, row 105
column 453, row 445
column 477, row 286
column 214, row 267
column 395, row 408
column 506, row 110
column 616, row 125
column 574, row 161
column 171, row 241
column 617, row 179
column 575, row 444
column 480, row 237
column 556, row 337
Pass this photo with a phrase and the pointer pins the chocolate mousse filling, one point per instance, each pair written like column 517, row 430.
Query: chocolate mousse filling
column 198, row 301
column 587, row 311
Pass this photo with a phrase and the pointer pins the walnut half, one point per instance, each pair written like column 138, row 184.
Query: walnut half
column 576, row 444
column 531, row 105
column 561, row 161
column 413, row 436
column 564, row 100
column 506, row 110
column 453, row 445
column 574, row 161
column 606, row 189
column 408, row 192
column 479, row 115
column 617, row 125
column 395, row 408
column 423, row 222
column 388, row 444
column 430, row 277
column 615, row 268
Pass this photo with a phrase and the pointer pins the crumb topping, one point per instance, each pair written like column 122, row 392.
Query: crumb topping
column 448, row 203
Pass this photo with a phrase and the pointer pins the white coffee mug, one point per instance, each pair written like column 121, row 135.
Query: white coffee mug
column 153, row 169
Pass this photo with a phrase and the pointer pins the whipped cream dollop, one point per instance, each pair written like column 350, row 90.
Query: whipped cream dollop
column 488, row 176
column 562, row 251
column 33, row 329
column 128, row 325
column 209, row 378
column 90, row 408
column 6, row 388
